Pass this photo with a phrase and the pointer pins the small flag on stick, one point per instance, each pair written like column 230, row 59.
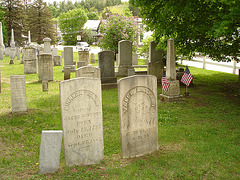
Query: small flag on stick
column 165, row 83
column 186, row 77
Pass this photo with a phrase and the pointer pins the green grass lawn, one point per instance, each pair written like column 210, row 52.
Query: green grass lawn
column 199, row 138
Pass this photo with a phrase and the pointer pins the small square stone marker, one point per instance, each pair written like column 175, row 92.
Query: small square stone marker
column 50, row 151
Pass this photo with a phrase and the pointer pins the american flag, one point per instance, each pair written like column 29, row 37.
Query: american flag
column 165, row 83
column 186, row 77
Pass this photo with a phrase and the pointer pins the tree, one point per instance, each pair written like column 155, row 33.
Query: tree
column 2, row 14
column 14, row 16
column 207, row 26
column 71, row 24
column 40, row 22
column 117, row 28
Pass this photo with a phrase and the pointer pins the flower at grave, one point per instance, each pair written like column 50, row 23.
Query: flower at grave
column 28, row 161
column 36, row 163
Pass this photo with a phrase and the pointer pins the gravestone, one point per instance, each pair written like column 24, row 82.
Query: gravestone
column 131, row 72
column 18, row 53
column 54, row 52
column 68, row 58
column 80, row 64
column 88, row 71
column 83, row 56
column 135, row 59
column 138, row 115
column 57, row 60
column 30, row 60
column 45, row 67
column 50, row 151
column 67, row 73
column 47, row 45
column 7, row 51
column 12, row 55
column 173, row 93
column 41, row 49
column 18, row 93
column 106, row 65
column 155, row 64
column 45, row 85
column 1, row 38
column 81, row 107
column 125, row 57
column 92, row 58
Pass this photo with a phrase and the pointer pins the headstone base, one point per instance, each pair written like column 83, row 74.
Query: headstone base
column 166, row 98
column 108, row 80
column 44, row 86
column 71, row 66
column 123, row 71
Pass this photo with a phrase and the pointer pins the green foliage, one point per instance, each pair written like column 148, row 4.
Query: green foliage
column 115, row 29
column 71, row 23
column 92, row 16
column 207, row 26
column 3, row 24
column 40, row 22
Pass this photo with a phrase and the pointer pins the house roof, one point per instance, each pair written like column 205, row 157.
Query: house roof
column 92, row 24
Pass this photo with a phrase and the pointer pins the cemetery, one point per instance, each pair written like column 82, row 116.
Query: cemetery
column 101, row 119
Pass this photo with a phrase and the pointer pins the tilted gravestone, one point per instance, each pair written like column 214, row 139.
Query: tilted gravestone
column 83, row 56
column 138, row 115
column 18, row 93
column 81, row 109
column 50, row 151
column 45, row 67
column 124, row 57
column 30, row 60
column 68, row 58
column 88, row 71
column 106, row 65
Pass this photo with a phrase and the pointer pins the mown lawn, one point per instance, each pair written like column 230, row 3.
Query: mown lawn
column 199, row 138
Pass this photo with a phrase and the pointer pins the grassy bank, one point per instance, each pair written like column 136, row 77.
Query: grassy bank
column 198, row 138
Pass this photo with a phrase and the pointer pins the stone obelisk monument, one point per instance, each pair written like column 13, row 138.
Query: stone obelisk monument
column 13, row 50
column 173, row 92
column 2, row 47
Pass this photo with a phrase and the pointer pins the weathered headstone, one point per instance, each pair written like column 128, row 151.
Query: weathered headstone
column 125, row 57
column 57, row 60
column 135, row 59
column 131, row 72
column 12, row 52
column 138, row 115
column 50, row 151
column 68, row 58
column 45, row 67
column 7, row 51
column 81, row 107
column 47, row 45
column 173, row 93
column 80, row 64
column 67, row 73
column 88, row 71
column 106, row 65
column 54, row 51
column 155, row 65
column 45, row 85
column 83, row 56
column 41, row 49
column 30, row 60
column 18, row 93
column 92, row 58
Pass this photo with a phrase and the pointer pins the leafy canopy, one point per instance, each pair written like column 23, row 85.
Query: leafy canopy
column 207, row 26
column 115, row 29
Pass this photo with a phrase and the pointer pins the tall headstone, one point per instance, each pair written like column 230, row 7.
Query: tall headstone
column 88, row 71
column 47, row 45
column 50, row 150
column 45, row 67
column 106, row 65
column 138, row 115
column 18, row 93
column 83, row 56
column 30, row 60
column 173, row 93
column 92, row 58
column 12, row 53
column 125, row 57
column 155, row 66
column 68, row 58
column 81, row 107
